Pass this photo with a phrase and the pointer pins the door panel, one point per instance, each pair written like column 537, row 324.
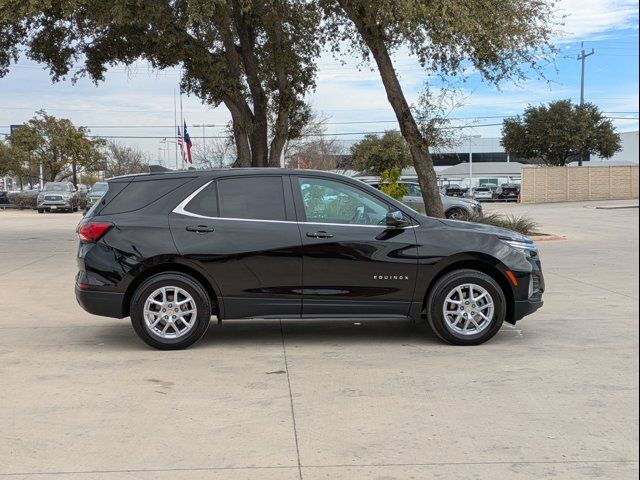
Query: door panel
column 352, row 265
column 256, row 262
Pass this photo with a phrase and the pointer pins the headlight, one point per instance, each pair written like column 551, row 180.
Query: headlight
column 525, row 245
column 40, row 197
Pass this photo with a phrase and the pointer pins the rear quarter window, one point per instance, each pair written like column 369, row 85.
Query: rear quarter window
column 139, row 194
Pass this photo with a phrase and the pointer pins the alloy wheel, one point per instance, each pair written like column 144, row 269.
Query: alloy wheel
column 169, row 312
column 468, row 309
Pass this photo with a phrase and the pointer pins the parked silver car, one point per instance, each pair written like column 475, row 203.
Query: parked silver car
column 454, row 207
column 58, row 196
column 95, row 194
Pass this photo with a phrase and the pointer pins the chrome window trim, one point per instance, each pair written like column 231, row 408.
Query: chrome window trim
column 180, row 210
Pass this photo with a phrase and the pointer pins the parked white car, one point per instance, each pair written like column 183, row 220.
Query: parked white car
column 482, row 193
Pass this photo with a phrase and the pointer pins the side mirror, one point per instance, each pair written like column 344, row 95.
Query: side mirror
column 396, row 219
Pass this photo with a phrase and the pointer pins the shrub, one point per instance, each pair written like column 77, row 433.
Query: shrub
column 521, row 224
column 24, row 200
column 390, row 184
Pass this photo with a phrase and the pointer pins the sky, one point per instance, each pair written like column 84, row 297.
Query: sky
column 139, row 102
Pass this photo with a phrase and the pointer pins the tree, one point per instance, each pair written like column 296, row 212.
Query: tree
column 257, row 57
column 124, row 160
column 559, row 133
column 314, row 148
column 57, row 145
column 374, row 154
column 498, row 38
column 217, row 153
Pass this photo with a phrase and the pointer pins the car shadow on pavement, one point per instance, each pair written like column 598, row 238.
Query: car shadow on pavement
column 267, row 332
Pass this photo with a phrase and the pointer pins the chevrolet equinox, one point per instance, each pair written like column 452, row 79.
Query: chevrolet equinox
column 170, row 250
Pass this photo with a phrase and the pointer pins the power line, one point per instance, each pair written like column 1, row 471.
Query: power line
column 354, row 122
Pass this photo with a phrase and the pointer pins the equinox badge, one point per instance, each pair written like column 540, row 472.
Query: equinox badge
column 390, row 277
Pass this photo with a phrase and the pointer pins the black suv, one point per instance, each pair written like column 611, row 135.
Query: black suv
column 172, row 249
column 507, row 192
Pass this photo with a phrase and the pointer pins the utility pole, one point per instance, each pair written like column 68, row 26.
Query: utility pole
column 582, row 57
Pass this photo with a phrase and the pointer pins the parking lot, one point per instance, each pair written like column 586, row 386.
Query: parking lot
column 556, row 396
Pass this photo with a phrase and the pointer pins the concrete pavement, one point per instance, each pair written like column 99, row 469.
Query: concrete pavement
column 557, row 396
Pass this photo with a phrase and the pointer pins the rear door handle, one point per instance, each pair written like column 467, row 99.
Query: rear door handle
column 199, row 228
column 320, row 234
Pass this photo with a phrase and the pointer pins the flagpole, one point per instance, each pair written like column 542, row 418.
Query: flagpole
column 175, row 124
column 181, row 124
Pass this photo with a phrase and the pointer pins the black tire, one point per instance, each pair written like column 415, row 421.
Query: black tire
column 438, row 295
column 455, row 213
column 41, row 210
column 197, row 292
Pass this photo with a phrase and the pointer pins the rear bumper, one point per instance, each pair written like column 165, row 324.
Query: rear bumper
column 105, row 304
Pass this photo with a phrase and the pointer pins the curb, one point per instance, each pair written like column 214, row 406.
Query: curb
column 616, row 207
column 546, row 238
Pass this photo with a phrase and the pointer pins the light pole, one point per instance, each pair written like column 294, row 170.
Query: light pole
column 470, row 138
column 164, row 148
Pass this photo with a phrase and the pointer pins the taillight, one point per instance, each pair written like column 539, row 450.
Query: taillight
column 92, row 231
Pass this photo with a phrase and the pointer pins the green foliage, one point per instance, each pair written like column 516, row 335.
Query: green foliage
column 11, row 160
column 390, row 184
column 558, row 132
column 521, row 224
column 500, row 39
column 258, row 57
column 374, row 154
column 56, row 144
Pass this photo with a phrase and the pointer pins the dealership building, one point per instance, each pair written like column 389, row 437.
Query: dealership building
column 491, row 165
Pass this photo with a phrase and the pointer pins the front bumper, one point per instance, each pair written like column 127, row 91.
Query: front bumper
column 528, row 294
column 54, row 205
column 526, row 307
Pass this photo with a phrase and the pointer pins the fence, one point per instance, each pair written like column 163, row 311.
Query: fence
column 574, row 184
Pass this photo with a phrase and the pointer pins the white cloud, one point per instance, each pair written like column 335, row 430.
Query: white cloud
column 593, row 17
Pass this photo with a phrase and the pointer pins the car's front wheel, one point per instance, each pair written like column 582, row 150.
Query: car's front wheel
column 466, row 307
column 170, row 311
column 455, row 214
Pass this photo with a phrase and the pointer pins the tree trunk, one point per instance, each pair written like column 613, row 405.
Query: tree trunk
column 259, row 133
column 281, row 127
column 240, row 137
column 422, row 161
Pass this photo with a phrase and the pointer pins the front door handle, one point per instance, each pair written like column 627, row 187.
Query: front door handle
column 320, row 234
column 199, row 228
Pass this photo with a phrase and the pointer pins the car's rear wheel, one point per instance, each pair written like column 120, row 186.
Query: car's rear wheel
column 466, row 307
column 170, row 311
column 455, row 214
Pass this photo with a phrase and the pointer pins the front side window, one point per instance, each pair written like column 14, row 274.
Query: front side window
column 257, row 198
column 413, row 190
column 328, row 201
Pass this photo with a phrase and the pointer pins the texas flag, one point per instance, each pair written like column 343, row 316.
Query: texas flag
column 187, row 142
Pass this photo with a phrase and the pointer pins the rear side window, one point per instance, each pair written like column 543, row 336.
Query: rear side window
column 205, row 203
column 260, row 198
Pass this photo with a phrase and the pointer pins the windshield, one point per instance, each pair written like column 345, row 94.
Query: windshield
column 56, row 187
column 100, row 187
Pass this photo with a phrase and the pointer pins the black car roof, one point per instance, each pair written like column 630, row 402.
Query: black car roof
column 221, row 172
